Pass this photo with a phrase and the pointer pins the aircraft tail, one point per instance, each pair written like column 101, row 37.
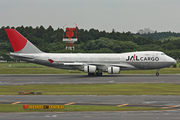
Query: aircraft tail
column 19, row 43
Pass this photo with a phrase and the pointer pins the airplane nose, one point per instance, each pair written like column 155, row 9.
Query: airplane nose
column 170, row 61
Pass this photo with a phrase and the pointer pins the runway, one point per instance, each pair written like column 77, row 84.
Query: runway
column 125, row 115
column 84, row 79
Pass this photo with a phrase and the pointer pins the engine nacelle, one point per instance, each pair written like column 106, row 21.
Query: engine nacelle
column 114, row 70
column 90, row 69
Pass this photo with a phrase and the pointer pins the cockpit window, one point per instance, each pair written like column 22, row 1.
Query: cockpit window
column 162, row 54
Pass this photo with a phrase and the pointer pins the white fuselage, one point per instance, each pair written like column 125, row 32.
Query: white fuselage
column 126, row 61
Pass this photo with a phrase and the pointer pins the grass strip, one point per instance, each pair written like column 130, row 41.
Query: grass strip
column 95, row 89
column 38, row 71
column 61, row 71
column 74, row 108
column 30, row 68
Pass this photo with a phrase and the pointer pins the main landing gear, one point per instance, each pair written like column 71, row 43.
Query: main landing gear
column 95, row 74
column 90, row 74
column 98, row 73
column 157, row 74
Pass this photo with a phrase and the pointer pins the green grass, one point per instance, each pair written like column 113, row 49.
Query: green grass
column 95, row 89
column 30, row 68
column 20, row 65
column 75, row 108
column 37, row 71
column 162, row 71
column 61, row 71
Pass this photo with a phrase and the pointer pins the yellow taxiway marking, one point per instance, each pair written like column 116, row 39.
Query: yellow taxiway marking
column 171, row 106
column 15, row 103
column 70, row 103
column 122, row 105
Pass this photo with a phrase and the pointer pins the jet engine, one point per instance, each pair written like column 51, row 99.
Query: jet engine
column 113, row 70
column 90, row 69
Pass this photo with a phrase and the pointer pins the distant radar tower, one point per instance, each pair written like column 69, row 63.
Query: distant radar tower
column 69, row 40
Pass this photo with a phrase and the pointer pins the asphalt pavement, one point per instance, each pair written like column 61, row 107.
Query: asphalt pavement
column 172, row 103
column 84, row 79
column 125, row 115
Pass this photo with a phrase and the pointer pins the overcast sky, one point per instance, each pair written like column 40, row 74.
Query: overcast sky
column 121, row 15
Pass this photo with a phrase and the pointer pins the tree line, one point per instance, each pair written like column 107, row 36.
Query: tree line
column 159, row 35
column 89, row 41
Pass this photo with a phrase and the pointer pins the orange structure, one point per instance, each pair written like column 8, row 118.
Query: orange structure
column 70, row 40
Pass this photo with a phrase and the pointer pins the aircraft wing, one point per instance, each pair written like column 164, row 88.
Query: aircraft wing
column 119, row 65
column 84, row 64
column 65, row 63
column 115, row 65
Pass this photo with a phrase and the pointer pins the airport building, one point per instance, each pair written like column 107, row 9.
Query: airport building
column 145, row 31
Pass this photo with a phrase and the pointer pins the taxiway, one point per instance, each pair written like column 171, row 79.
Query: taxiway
column 168, row 101
column 84, row 79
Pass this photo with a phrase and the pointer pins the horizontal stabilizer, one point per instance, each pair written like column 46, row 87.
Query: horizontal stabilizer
column 20, row 56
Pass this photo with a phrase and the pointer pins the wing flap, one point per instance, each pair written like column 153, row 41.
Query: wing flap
column 73, row 64
column 119, row 65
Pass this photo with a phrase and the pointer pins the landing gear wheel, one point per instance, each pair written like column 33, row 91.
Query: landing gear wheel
column 99, row 74
column 157, row 74
column 90, row 74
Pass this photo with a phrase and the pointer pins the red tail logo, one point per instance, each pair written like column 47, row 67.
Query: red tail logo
column 18, row 41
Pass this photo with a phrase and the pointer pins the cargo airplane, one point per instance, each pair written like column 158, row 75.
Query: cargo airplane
column 91, row 63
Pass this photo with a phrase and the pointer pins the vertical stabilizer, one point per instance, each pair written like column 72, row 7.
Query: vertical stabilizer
column 19, row 43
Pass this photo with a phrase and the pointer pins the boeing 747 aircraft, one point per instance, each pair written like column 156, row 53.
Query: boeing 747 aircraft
column 93, row 64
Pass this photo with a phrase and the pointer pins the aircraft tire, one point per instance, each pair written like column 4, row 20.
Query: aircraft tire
column 90, row 74
column 157, row 74
column 99, row 74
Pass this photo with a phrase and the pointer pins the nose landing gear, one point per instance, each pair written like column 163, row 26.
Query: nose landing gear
column 157, row 74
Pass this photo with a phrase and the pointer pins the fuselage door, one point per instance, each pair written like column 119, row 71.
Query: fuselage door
column 146, row 59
